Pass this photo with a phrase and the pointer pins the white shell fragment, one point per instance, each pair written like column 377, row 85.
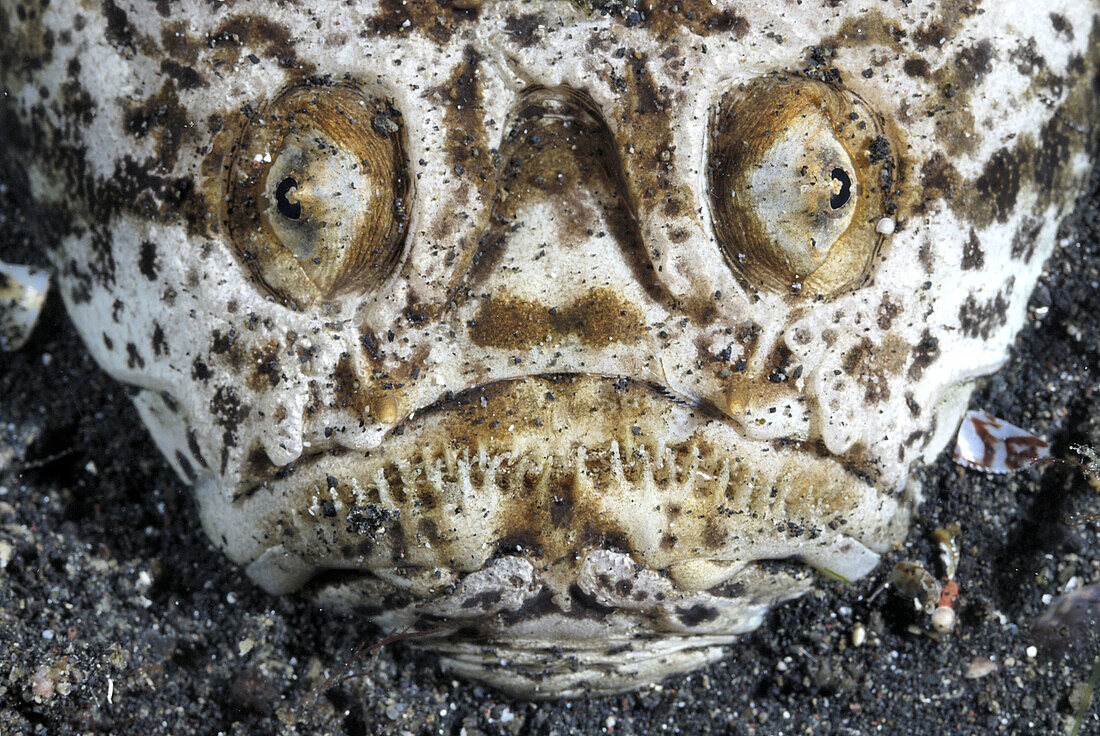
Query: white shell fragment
column 943, row 619
column 993, row 445
column 979, row 667
column 22, row 294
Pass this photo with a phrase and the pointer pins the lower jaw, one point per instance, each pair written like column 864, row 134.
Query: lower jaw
column 620, row 626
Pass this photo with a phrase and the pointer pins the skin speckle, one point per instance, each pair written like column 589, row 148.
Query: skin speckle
column 979, row 317
column 1025, row 238
column 525, row 27
column 186, row 77
column 147, row 263
column 925, row 353
column 916, row 67
column 1063, row 26
column 973, row 256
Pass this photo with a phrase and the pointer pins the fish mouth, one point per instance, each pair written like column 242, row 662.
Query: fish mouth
column 549, row 468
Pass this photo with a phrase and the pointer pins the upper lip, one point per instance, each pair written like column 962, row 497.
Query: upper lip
column 260, row 471
column 558, row 465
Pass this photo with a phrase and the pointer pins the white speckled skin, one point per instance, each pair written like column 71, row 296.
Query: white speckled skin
column 559, row 425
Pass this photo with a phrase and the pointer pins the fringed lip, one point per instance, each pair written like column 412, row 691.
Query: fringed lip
column 551, row 467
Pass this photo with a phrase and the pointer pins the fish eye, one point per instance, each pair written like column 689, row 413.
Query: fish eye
column 317, row 193
column 798, row 176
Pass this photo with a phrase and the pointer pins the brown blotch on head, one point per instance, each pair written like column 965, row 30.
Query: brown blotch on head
column 650, row 159
column 973, row 257
column 947, row 19
column 715, row 534
column 466, row 140
column 666, row 19
column 870, row 364
column 998, row 186
column 179, row 44
column 163, row 117
column 26, row 45
column 980, row 318
column 892, row 354
column 185, row 76
column 925, row 353
column 652, row 165
column 524, row 27
column 266, row 370
column 1026, row 237
column 438, row 20
column 888, row 310
column 868, row 28
column 270, row 38
column 938, row 177
column 348, row 390
column 598, row 317
column 225, row 344
column 973, row 63
column 916, row 67
column 1062, row 25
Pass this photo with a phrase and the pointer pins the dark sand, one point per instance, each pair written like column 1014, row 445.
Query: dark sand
column 117, row 616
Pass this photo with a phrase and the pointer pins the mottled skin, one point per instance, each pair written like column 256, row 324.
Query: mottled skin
column 550, row 391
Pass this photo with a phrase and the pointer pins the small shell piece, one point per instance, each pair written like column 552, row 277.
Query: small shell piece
column 22, row 294
column 979, row 667
column 993, row 445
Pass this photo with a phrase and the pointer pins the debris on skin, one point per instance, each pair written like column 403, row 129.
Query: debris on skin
column 993, row 445
column 22, row 294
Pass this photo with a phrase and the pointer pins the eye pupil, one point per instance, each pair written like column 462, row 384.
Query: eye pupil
column 288, row 209
column 839, row 199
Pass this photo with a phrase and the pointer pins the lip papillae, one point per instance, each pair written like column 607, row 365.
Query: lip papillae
column 549, row 468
